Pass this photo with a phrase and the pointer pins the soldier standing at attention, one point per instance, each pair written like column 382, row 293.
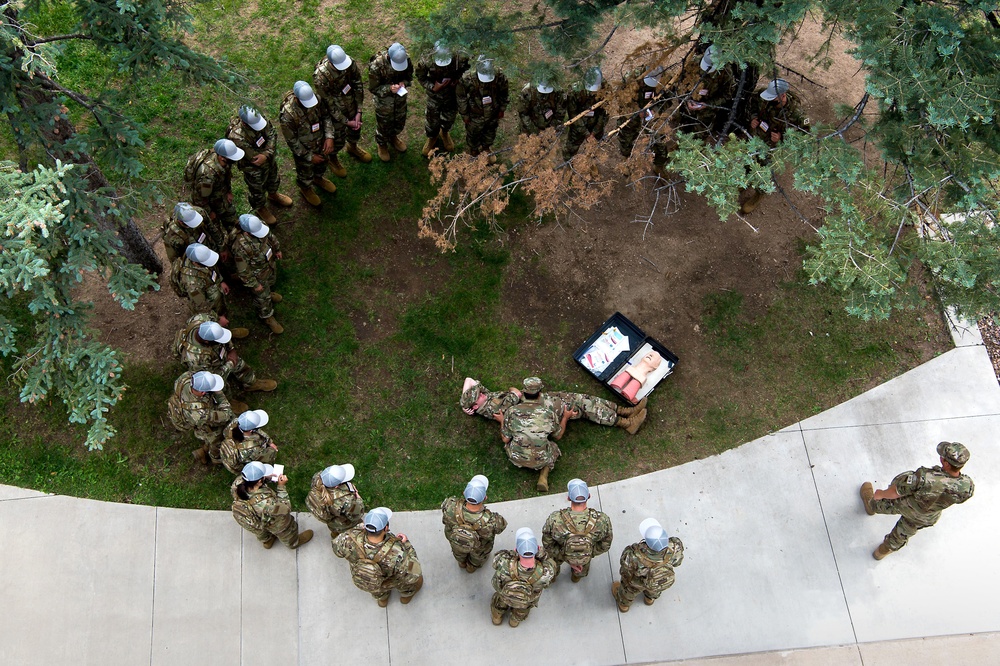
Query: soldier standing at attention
column 439, row 73
column 380, row 561
column 256, row 252
column 647, row 567
column 196, row 278
column 264, row 512
column 243, row 441
column 190, row 224
column 919, row 497
column 519, row 577
column 389, row 76
column 258, row 139
column 338, row 81
column 540, row 107
column 583, row 99
column 469, row 526
column 198, row 404
column 334, row 500
column 308, row 131
column 482, row 97
column 209, row 175
column 577, row 534
column 205, row 345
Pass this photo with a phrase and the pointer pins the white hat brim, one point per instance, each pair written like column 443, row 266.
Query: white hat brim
column 217, row 383
column 344, row 65
column 646, row 524
column 227, row 335
column 259, row 125
column 485, row 78
column 262, row 232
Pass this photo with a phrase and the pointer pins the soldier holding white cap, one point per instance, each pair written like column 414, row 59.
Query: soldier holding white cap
column 469, row 526
column 647, row 567
column 309, row 133
column 439, row 73
column 334, row 500
column 389, row 75
column 263, row 511
column 204, row 344
column 577, row 534
column 539, row 107
column 258, row 139
column 190, row 224
column 482, row 95
column 244, row 441
column 583, row 99
column 256, row 252
column 337, row 78
column 380, row 561
column 519, row 577
column 209, row 174
column 199, row 405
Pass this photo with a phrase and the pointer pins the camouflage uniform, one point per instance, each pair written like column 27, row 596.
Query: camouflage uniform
column 774, row 118
column 565, row 527
column 211, row 356
column 481, row 106
column 592, row 124
column 273, row 510
column 305, row 130
column 396, row 559
column 923, row 495
column 529, row 424
column 212, row 188
column 200, row 285
column 256, row 265
column 344, row 93
column 496, row 401
column 711, row 97
column 206, row 415
column 596, row 410
column 484, row 525
column 340, row 508
column 646, row 571
column 442, row 106
column 507, row 568
column 537, row 111
column 255, row 445
column 390, row 108
column 647, row 100
column 177, row 235
column 264, row 179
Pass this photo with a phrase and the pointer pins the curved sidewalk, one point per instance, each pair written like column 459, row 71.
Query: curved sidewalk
column 777, row 557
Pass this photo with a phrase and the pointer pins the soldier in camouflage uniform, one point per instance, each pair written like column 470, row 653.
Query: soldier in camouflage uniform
column 469, row 526
column 243, row 441
column 198, row 404
column 209, row 174
column 519, row 577
column 478, row 400
column 482, row 97
column 334, row 500
column 582, row 100
column 258, row 139
column 338, row 81
column 540, row 107
column 439, row 73
column 706, row 109
column 196, row 278
column 919, row 496
column 577, row 534
column 190, row 224
column 309, row 133
column 380, row 561
column 390, row 72
column 263, row 511
column 647, row 567
column 256, row 253
column 202, row 344
column 650, row 102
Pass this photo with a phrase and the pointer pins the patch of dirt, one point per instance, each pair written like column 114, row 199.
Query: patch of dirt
column 991, row 340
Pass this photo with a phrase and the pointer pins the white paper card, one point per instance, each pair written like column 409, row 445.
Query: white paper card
column 346, row 89
column 402, row 91
column 487, row 100
column 278, row 471
column 548, row 113
column 764, row 126
column 268, row 253
column 260, row 141
column 201, row 238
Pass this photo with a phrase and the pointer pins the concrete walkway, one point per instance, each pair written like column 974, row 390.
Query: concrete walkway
column 778, row 564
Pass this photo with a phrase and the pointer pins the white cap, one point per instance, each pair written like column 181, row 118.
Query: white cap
column 485, row 71
column 252, row 117
column 707, row 60
column 544, row 87
column 207, row 382
column 212, row 332
column 592, row 79
column 338, row 58
column 334, row 475
column 253, row 225
column 577, row 491
column 398, row 57
column 257, row 470
column 201, row 254
column 653, row 534
column 442, row 54
column 304, row 93
column 775, row 89
column 377, row 519
column 652, row 78
column 229, row 150
column 185, row 212
column 252, row 419
column 525, row 542
column 475, row 490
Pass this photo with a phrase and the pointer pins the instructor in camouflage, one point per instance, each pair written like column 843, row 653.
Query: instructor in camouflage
column 338, row 81
column 439, row 73
column 256, row 253
column 647, row 567
column 577, row 534
column 380, row 561
column 199, row 405
column 469, row 526
column 309, row 133
column 334, row 500
column 258, row 139
column 389, row 75
column 519, row 576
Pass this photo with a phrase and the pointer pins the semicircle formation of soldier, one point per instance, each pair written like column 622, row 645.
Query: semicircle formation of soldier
column 482, row 94
column 577, row 534
column 519, row 577
column 264, row 511
column 257, row 137
column 380, row 561
column 647, row 566
column 390, row 73
column 334, row 500
column 309, row 133
column 337, row 79
column 439, row 72
column 469, row 526
column 244, row 441
column 256, row 253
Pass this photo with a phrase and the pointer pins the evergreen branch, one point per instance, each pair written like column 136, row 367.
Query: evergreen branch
column 802, row 76
column 595, row 51
column 58, row 38
column 540, row 26
column 732, row 112
column 858, row 110
column 79, row 98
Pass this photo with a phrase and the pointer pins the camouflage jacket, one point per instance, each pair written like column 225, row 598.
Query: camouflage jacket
column 482, row 100
column 381, row 75
column 507, row 567
column 198, row 283
column 340, row 506
column 773, row 118
column 430, row 74
column 929, row 491
column 304, row 129
column 197, row 356
column 213, row 182
column 563, row 524
column 580, row 101
column 209, row 411
column 271, row 505
column 252, row 142
column 537, row 112
column 711, row 92
column 177, row 235
column 530, row 422
column 486, row 524
column 342, row 90
column 638, row 562
column 398, row 562
column 256, row 258
column 236, row 454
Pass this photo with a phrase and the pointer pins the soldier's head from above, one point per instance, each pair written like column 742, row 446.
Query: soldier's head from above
column 592, row 79
column 544, row 87
column 253, row 226
column 338, row 58
column 334, row 475
column 653, row 534
column 485, row 69
column 776, row 90
column 473, row 396
column 201, row 254
column 652, row 77
column 710, row 61
column 206, row 382
column 252, row 118
column 397, row 57
column 187, row 215
column 532, row 387
column 475, row 490
column 953, row 453
column 227, row 151
column 442, row 54
column 257, row 472
column 252, row 419
column 376, row 521
column 209, row 331
column 526, row 546
column 577, row 492
column 304, row 93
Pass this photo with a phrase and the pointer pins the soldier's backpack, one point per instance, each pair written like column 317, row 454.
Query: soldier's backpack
column 516, row 593
column 246, row 517
column 175, row 276
column 193, row 164
column 660, row 576
column 579, row 544
column 366, row 573
column 464, row 538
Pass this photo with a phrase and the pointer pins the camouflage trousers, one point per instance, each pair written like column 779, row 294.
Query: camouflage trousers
column 261, row 181
column 440, row 114
column 631, row 587
column 337, row 526
column 262, row 300
column 594, row 409
column 476, row 558
column 284, row 527
column 407, row 584
column 306, row 173
column 226, row 217
column 242, row 375
column 630, row 130
column 908, row 524
column 500, row 606
column 390, row 118
column 201, row 303
column 212, row 439
column 235, row 465
column 575, row 136
column 480, row 133
column 342, row 135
